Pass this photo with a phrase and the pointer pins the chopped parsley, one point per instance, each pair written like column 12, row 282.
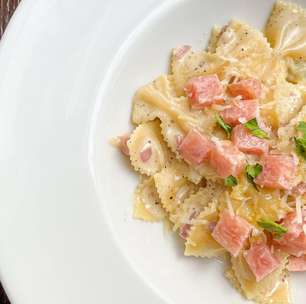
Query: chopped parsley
column 300, row 145
column 276, row 229
column 230, row 181
column 252, row 125
column 302, row 127
column 300, row 142
column 227, row 128
column 252, row 171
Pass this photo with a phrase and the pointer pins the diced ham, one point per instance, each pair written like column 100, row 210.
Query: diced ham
column 247, row 88
column 297, row 263
column 203, row 91
column 231, row 232
column 184, row 231
column 278, row 171
column 185, row 228
column 299, row 189
column 123, row 144
column 295, row 246
column 261, row 260
column 240, row 111
column 247, row 143
column 290, row 221
column 294, row 240
column 226, row 159
column 181, row 51
column 195, row 147
column 146, row 154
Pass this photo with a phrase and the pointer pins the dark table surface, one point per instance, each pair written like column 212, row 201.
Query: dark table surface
column 7, row 8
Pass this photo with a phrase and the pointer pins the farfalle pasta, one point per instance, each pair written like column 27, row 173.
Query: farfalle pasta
column 220, row 147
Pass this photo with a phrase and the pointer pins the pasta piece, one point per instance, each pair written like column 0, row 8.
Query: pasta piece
column 244, row 47
column 173, row 186
column 172, row 135
column 288, row 102
column 230, row 275
column 195, row 64
column 286, row 29
column 262, row 291
column 296, row 70
column 214, row 37
column 281, row 295
column 286, row 143
column 200, row 243
column 192, row 206
column 147, row 205
column 148, row 152
column 286, row 133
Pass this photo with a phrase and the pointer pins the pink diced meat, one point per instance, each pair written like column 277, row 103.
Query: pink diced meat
column 195, row 147
column 181, row 51
column 123, row 144
column 247, row 143
column 203, row 91
column 146, row 154
column 231, row 232
column 240, row 111
column 297, row 263
column 278, row 171
column 184, row 231
column 247, row 88
column 226, row 159
column 261, row 260
column 293, row 241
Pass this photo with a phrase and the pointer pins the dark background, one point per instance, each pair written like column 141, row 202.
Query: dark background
column 7, row 8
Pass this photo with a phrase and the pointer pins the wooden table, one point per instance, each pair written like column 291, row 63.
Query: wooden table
column 7, row 8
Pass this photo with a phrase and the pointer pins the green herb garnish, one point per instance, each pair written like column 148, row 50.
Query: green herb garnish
column 272, row 227
column 231, row 181
column 302, row 127
column 252, row 125
column 300, row 142
column 252, row 171
column 227, row 128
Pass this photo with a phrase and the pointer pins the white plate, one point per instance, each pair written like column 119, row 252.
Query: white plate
column 68, row 70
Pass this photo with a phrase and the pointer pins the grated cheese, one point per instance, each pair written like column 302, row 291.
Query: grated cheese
column 229, row 204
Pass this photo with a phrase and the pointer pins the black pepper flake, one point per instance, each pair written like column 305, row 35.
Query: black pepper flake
column 171, row 197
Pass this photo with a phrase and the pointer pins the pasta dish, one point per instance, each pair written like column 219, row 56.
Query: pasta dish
column 220, row 147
